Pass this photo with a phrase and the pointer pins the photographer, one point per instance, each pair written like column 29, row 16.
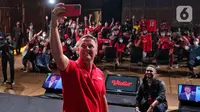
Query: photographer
column 7, row 48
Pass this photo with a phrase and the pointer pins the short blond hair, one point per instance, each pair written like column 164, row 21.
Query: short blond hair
column 86, row 36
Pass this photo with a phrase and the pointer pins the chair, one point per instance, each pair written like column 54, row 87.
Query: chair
column 110, row 54
column 136, row 56
column 163, row 56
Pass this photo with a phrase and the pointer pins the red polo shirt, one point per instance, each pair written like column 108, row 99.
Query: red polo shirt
column 82, row 91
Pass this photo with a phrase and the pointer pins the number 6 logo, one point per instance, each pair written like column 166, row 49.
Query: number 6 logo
column 184, row 14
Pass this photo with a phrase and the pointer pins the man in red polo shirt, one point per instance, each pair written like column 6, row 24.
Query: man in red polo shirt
column 83, row 82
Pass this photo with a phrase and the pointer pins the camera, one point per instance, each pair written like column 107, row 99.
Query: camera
column 7, row 41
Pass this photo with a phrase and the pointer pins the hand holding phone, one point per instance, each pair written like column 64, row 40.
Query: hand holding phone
column 72, row 10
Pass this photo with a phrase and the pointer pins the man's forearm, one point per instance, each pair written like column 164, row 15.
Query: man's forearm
column 156, row 102
column 56, row 47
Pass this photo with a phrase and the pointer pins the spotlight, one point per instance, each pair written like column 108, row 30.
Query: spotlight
column 51, row 1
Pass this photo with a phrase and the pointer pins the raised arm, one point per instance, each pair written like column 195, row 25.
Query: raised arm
column 55, row 43
column 89, row 20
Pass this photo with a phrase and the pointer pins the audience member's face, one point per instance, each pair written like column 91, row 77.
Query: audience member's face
column 73, row 25
column 99, row 35
column 169, row 39
column 145, row 32
column 106, row 24
column 116, row 23
column 81, row 33
column 187, row 90
column 169, row 34
column 192, row 34
column 93, row 23
column 162, row 34
column 121, row 40
column 44, row 34
column 150, row 72
column 18, row 23
column 164, row 23
column 31, row 26
column 196, row 42
column 61, row 20
column 125, row 23
column 88, row 49
column 117, row 32
column 8, row 37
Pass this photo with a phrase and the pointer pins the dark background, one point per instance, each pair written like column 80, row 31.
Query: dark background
column 36, row 10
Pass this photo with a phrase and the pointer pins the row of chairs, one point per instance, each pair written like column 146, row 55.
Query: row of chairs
column 136, row 56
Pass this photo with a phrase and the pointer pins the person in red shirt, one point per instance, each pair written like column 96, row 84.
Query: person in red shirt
column 83, row 83
column 165, row 43
column 120, row 49
column 145, row 43
column 170, row 46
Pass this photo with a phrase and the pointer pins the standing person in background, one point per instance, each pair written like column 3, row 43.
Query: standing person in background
column 7, row 48
column 84, row 80
column 145, row 42
column 17, row 37
column 30, row 32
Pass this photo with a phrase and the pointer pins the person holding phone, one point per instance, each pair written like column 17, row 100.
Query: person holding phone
column 83, row 83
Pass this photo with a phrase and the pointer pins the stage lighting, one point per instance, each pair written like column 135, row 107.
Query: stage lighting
column 51, row 1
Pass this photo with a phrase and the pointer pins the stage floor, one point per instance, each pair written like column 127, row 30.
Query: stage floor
column 30, row 84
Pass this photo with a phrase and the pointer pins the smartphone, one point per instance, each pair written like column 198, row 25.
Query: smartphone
column 72, row 10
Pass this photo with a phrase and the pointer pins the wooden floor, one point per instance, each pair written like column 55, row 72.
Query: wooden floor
column 30, row 84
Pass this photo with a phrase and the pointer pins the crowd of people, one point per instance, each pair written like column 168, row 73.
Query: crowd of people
column 147, row 35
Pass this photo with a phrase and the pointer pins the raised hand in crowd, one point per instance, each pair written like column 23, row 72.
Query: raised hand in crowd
column 85, row 18
column 90, row 16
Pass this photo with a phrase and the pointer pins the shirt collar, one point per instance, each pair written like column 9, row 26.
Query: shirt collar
column 93, row 66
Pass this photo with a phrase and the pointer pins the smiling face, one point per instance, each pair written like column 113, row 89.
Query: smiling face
column 87, row 49
column 150, row 72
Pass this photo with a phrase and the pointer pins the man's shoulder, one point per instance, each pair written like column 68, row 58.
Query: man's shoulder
column 99, row 70
column 71, row 66
column 160, row 81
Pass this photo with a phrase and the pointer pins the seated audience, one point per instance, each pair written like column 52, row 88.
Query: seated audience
column 194, row 57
